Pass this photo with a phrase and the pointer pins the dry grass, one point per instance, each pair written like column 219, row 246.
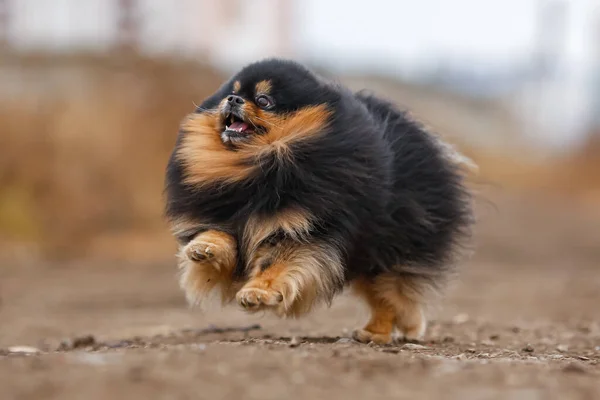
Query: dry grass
column 85, row 157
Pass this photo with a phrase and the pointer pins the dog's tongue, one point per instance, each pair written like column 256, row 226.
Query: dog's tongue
column 239, row 126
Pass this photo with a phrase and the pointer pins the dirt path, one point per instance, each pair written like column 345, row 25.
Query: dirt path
column 523, row 322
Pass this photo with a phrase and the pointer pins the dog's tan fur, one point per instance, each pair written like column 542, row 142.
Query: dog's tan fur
column 207, row 263
column 290, row 278
column 394, row 302
column 206, row 160
column 263, row 87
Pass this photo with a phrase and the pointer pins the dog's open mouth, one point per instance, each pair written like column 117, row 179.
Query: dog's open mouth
column 237, row 129
column 235, row 124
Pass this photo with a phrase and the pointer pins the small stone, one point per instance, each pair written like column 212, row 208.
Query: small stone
column 597, row 348
column 471, row 350
column 413, row 346
column 95, row 358
column 24, row 350
column 135, row 339
column 295, row 342
column 83, row 341
column 583, row 358
column 528, row 349
column 65, row 344
column 515, row 329
column 460, row 318
column 562, row 348
column 494, row 337
column 344, row 341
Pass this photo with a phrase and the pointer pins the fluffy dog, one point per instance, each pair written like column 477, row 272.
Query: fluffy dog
column 284, row 188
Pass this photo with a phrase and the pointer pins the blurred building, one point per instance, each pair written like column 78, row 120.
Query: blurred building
column 222, row 31
column 560, row 99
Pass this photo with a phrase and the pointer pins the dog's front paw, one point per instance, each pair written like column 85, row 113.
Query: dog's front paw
column 207, row 253
column 255, row 299
column 200, row 251
column 216, row 249
column 206, row 263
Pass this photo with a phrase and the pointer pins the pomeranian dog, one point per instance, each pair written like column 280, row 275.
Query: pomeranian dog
column 284, row 188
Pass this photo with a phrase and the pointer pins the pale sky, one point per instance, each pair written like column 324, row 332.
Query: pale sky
column 393, row 31
column 495, row 29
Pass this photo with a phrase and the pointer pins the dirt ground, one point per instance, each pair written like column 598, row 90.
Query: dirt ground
column 521, row 322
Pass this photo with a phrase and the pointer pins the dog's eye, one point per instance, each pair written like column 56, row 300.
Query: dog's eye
column 264, row 101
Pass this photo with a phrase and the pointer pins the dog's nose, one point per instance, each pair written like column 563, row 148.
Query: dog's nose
column 235, row 100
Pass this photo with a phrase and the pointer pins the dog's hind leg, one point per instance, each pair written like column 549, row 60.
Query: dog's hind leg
column 383, row 314
column 395, row 301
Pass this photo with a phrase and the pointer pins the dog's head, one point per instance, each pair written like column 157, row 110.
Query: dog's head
column 262, row 97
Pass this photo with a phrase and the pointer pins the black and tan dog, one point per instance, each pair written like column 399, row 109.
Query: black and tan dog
column 284, row 188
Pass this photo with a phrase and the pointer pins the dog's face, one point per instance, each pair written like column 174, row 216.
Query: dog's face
column 261, row 97
column 263, row 112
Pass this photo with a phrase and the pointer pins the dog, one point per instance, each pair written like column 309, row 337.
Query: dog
column 284, row 188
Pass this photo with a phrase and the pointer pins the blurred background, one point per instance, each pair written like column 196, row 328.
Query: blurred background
column 92, row 91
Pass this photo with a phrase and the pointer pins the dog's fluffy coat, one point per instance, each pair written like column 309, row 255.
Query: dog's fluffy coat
column 314, row 188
